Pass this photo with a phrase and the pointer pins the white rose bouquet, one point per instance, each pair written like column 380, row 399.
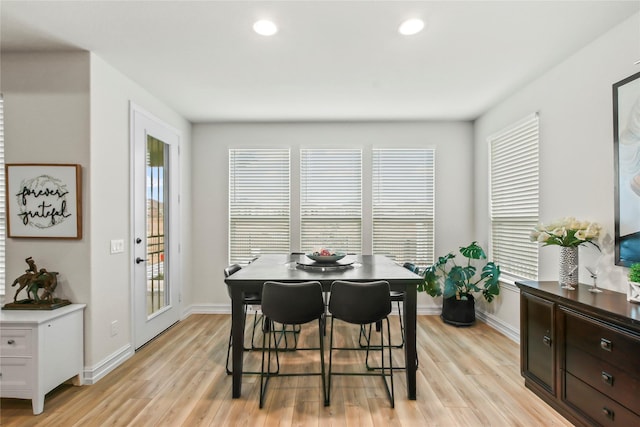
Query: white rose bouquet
column 567, row 232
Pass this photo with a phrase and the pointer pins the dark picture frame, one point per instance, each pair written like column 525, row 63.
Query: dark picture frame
column 44, row 200
column 626, row 137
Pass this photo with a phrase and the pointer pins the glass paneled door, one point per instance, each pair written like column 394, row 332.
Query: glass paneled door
column 156, row 291
column 156, row 180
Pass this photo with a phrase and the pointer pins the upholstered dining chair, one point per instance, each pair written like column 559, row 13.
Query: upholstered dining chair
column 290, row 304
column 362, row 303
column 396, row 297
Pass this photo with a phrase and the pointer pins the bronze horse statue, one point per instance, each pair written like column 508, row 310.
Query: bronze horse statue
column 46, row 280
column 23, row 281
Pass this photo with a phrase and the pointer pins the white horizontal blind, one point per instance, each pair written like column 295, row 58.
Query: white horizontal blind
column 404, row 204
column 515, row 197
column 259, row 203
column 331, row 199
column 3, row 208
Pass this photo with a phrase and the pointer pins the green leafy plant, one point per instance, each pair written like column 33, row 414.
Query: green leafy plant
column 634, row 273
column 449, row 279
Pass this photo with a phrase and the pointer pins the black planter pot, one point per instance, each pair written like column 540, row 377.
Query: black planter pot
column 459, row 312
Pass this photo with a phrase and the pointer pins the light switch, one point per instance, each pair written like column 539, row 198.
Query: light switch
column 117, row 246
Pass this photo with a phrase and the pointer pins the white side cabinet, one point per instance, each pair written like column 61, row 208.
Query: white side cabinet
column 39, row 350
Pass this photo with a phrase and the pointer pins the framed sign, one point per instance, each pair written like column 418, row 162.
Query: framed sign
column 44, row 201
column 626, row 137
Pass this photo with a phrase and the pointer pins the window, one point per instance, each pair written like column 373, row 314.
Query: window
column 3, row 208
column 403, row 204
column 259, row 203
column 514, row 197
column 331, row 199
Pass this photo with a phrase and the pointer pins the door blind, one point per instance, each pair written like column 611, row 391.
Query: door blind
column 404, row 204
column 514, row 175
column 331, row 200
column 259, row 203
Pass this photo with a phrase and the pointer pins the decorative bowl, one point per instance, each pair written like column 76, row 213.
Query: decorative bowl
column 327, row 258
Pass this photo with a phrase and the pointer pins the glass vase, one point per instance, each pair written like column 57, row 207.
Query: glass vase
column 568, row 267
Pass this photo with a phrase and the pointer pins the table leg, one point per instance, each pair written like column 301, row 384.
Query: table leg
column 410, row 355
column 237, row 339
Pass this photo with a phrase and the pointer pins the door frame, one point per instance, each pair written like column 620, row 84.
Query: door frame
column 174, row 247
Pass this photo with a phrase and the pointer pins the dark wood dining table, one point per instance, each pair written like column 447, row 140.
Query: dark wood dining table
column 297, row 268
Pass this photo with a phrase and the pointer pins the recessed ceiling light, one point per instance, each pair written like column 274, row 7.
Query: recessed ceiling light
column 411, row 26
column 265, row 28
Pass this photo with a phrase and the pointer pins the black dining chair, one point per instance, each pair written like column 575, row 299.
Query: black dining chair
column 250, row 299
column 396, row 297
column 362, row 303
column 290, row 304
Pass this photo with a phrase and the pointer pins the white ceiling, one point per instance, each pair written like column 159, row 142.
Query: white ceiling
column 330, row 60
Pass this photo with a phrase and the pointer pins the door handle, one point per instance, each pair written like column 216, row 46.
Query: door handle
column 139, row 260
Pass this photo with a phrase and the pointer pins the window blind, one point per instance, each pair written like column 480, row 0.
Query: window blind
column 514, row 175
column 3, row 208
column 403, row 202
column 259, row 203
column 331, row 199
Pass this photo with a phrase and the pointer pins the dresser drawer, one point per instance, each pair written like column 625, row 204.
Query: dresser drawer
column 15, row 342
column 16, row 378
column 606, row 342
column 596, row 406
column 608, row 379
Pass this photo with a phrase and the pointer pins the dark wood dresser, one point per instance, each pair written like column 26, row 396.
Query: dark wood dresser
column 580, row 352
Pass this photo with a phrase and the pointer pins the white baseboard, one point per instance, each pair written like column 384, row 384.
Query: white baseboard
column 499, row 325
column 93, row 374
column 206, row 309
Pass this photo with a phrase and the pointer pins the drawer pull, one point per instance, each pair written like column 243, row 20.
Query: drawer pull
column 607, row 378
column 547, row 341
column 605, row 344
column 11, row 342
column 608, row 413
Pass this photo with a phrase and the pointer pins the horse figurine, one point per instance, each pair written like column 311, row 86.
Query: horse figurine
column 46, row 280
column 35, row 280
column 23, row 281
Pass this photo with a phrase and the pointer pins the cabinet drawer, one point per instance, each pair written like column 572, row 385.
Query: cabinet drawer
column 15, row 342
column 608, row 343
column 608, row 379
column 597, row 406
column 15, row 380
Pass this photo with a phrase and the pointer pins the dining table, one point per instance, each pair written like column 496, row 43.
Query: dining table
column 298, row 268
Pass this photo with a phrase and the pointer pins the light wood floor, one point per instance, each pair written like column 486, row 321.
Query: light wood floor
column 467, row 377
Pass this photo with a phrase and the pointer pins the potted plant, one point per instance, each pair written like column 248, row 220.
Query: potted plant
column 458, row 283
column 633, row 292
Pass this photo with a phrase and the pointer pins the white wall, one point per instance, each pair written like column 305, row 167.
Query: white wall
column 72, row 107
column 574, row 100
column 46, row 105
column 454, row 198
column 111, row 93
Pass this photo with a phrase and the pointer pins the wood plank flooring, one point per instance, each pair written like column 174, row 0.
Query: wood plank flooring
column 467, row 377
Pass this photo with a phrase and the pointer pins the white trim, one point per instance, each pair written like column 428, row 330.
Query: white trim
column 93, row 374
column 499, row 325
column 206, row 309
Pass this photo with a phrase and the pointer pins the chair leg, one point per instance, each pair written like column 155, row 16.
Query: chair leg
column 401, row 345
column 391, row 393
column 328, row 399
column 264, row 377
column 386, row 371
column 321, row 329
